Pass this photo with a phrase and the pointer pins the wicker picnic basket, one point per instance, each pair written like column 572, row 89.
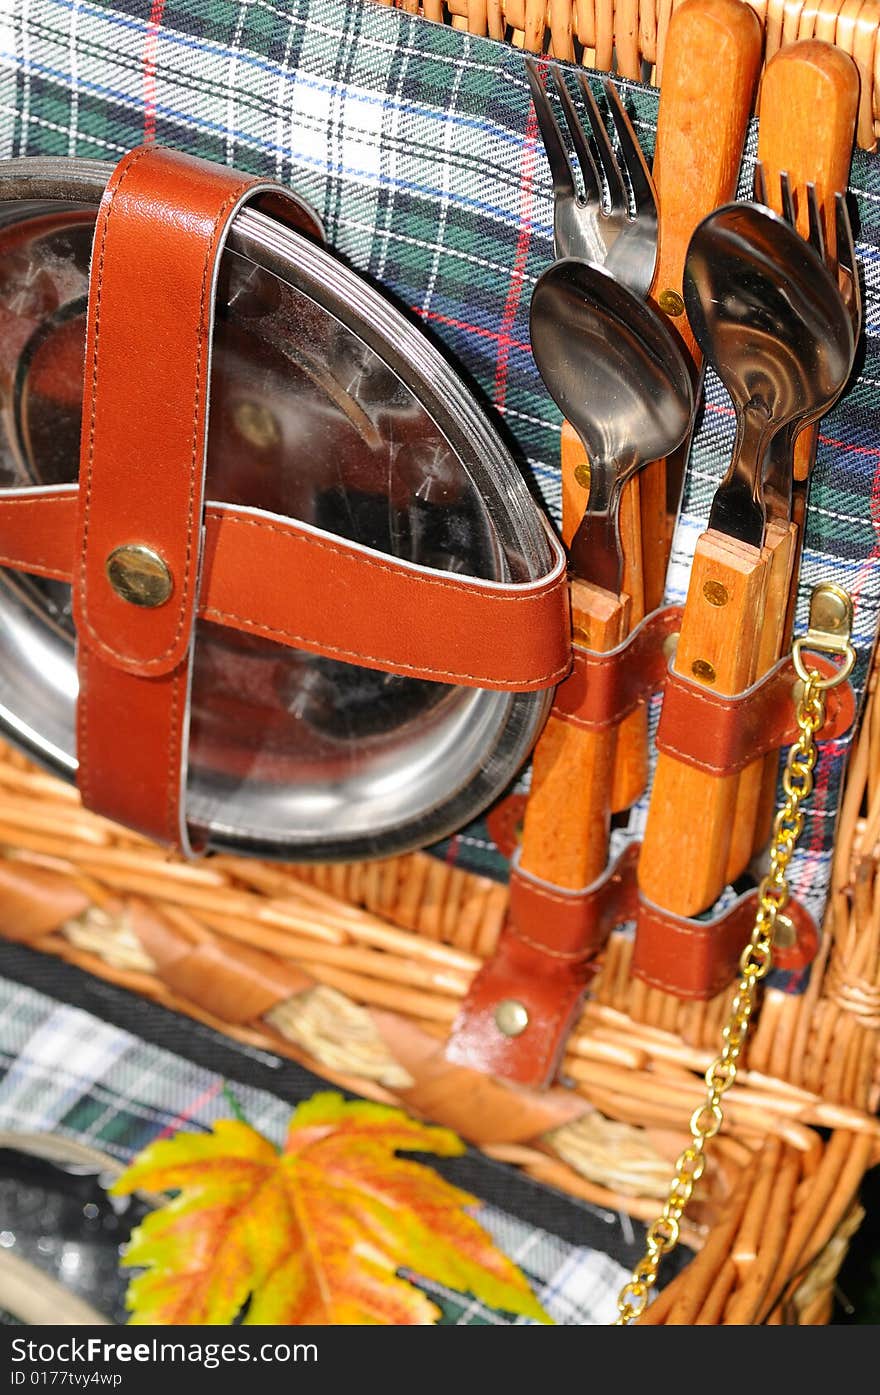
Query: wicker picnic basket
column 357, row 970
column 630, row 38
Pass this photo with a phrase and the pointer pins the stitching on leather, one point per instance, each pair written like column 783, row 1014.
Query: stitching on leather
column 530, row 592
column 33, row 569
column 575, row 898
column 172, row 783
column 272, row 632
column 186, row 584
column 83, row 771
column 565, row 956
column 123, row 169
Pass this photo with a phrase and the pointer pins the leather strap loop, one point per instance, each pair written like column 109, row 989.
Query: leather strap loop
column 283, row 579
column 722, row 735
column 548, row 951
column 604, row 688
column 543, row 962
column 159, row 234
column 696, row 959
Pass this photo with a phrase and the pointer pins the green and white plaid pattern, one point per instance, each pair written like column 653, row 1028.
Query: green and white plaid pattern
column 67, row 1072
column 418, row 146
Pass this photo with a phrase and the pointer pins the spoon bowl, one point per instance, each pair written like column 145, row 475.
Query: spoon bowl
column 769, row 318
column 617, row 374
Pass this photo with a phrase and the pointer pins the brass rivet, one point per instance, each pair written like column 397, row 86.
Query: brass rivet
column 139, row 575
column 830, row 609
column 797, row 691
column 581, row 634
column 671, row 303
column 582, row 474
column 511, row 1017
column 670, row 644
column 715, row 593
column 256, row 424
column 702, row 669
column 784, row 933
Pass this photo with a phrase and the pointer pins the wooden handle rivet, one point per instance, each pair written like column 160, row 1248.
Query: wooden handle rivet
column 582, row 474
column 671, row 303
column 580, row 634
column 511, row 1017
column 702, row 669
column 715, row 593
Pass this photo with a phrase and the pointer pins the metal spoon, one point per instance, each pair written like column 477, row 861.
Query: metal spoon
column 617, row 375
column 771, row 321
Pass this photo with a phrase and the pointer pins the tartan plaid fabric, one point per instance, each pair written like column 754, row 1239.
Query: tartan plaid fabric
column 67, row 1072
column 417, row 145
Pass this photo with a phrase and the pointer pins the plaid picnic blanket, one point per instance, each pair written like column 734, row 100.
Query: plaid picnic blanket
column 417, row 145
column 67, row 1071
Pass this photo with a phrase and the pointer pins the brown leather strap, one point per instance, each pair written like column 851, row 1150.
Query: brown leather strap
column 722, row 735
column 548, row 952
column 159, row 233
column 290, row 582
column 697, row 959
column 572, row 923
column 604, row 688
column 543, row 963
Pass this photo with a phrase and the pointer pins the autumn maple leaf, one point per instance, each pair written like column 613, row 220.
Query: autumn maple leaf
column 315, row 1234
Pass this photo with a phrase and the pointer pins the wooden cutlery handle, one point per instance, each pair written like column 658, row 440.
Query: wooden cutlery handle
column 806, row 127
column 684, row 856
column 631, row 761
column 567, row 818
column 710, row 70
column 750, row 830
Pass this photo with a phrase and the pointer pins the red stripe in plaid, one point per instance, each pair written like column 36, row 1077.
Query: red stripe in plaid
column 505, row 339
column 514, row 291
column 157, row 10
column 192, row 1109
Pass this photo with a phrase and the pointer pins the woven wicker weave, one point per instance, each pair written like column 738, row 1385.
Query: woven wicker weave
column 629, row 38
column 358, row 970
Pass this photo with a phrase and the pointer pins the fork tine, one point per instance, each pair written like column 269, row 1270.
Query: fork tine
column 846, row 261
column 554, row 145
column 759, row 184
column 592, row 181
column 816, row 234
column 605, row 150
column 788, row 212
column 636, row 167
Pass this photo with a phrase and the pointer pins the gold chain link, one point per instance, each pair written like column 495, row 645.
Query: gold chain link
column 754, row 965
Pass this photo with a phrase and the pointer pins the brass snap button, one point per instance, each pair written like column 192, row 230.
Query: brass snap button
column 139, row 575
column 511, row 1017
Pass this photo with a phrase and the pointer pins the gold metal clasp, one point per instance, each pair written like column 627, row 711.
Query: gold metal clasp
column 830, row 628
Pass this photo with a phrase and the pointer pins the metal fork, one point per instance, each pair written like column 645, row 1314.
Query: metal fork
column 614, row 222
column 785, row 496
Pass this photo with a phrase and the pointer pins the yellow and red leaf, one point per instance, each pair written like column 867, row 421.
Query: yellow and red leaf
column 316, row 1234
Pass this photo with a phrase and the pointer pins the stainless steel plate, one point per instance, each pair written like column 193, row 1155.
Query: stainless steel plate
column 329, row 406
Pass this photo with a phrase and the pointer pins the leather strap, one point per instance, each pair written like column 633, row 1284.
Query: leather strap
column 696, row 959
column 549, row 949
column 722, row 735
column 159, row 234
column 603, row 688
column 544, row 961
column 291, row 583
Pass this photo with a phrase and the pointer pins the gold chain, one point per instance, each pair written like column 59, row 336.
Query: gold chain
column 755, row 961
